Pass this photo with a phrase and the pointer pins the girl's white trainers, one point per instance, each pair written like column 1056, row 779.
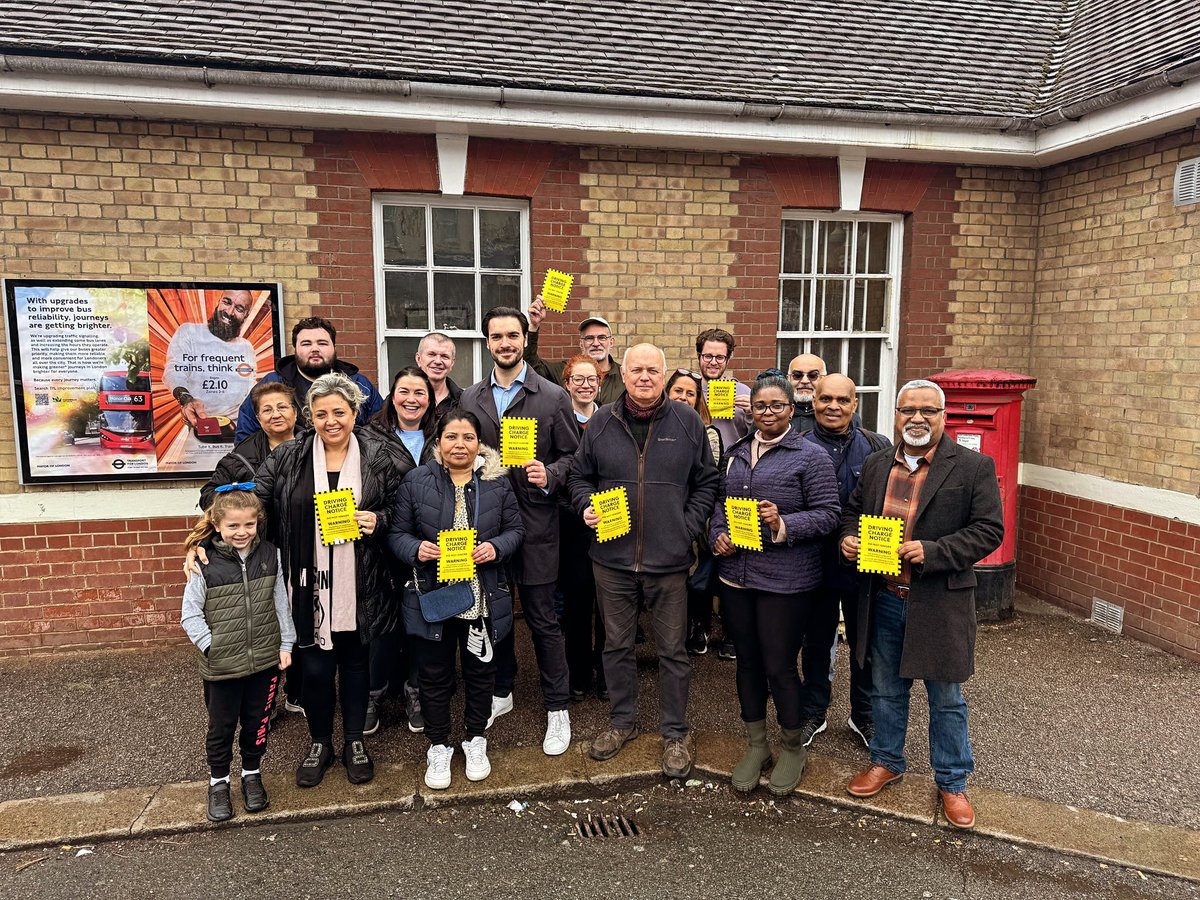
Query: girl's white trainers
column 478, row 767
column 437, row 768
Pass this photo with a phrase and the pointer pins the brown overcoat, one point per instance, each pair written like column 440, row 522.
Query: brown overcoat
column 959, row 521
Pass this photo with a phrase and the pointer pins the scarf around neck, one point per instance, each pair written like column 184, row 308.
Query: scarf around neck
column 335, row 585
column 644, row 413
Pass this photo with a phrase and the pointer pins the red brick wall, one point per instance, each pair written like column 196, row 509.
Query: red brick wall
column 1070, row 550
column 89, row 584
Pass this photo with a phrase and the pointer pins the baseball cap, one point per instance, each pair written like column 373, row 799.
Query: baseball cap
column 594, row 320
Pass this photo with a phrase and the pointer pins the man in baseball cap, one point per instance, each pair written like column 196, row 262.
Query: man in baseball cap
column 595, row 341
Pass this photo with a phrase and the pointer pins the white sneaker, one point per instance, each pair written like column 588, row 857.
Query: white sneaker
column 500, row 706
column 558, row 733
column 478, row 767
column 437, row 768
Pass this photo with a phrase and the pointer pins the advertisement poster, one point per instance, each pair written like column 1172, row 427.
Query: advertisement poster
column 133, row 380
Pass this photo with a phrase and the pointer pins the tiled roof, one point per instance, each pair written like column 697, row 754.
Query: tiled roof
column 984, row 57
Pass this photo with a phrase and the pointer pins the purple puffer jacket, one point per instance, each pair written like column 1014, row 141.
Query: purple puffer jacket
column 798, row 477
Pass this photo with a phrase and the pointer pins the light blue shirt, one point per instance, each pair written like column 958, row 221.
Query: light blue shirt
column 414, row 441
column 504, row 397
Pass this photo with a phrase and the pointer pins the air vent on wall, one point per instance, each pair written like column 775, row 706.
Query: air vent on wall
column 1187, row 182
column 1108, row 616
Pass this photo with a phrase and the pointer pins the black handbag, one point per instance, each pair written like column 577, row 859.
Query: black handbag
column 448, row 601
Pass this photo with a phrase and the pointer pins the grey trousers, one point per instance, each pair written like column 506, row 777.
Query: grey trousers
column 618, row 593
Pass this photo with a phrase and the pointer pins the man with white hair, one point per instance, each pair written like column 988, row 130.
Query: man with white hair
column 920, row 623
column 658, row 452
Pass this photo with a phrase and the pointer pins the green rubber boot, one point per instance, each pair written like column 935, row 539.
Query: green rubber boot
column 756, row 759
column 790, row 765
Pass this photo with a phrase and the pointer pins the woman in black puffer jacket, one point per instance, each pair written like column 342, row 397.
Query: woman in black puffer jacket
column 355, row 599
column 464, row 488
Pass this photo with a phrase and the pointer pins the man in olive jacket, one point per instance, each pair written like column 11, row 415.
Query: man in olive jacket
column 921, row 622
column 658, row 452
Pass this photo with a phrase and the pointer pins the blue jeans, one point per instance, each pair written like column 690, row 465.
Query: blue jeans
column 949, row 745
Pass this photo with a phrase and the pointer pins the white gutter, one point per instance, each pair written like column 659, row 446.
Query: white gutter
column 84, row 87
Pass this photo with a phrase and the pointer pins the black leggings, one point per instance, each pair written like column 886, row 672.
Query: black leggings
column 767, row 630
column 247, row 700
column 436, row 665
column 345, row 665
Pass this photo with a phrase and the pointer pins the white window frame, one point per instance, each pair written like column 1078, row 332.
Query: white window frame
column 889, row 337
column 478, row 356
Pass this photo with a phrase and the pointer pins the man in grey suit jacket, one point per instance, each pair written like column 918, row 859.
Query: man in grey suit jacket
column 513, row 389
column 921, row 622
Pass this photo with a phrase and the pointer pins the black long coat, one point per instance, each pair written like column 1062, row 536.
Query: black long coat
column 556, row 443
column 959, row 521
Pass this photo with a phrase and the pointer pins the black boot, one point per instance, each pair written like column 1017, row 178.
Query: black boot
column 220, row 806
column 254, row 795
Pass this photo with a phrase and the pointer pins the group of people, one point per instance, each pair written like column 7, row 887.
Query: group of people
column 372, row 617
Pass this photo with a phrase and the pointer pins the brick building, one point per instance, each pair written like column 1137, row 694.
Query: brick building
column 1005, row 185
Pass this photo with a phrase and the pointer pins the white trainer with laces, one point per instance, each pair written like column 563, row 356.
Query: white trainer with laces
column 437, row 768
column 478, row 766
column 500, row 706
column 558, row 733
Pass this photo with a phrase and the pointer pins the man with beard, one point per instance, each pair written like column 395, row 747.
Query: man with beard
column 315, row 342
column 803, row 372
column 514, row 390
column 595, row 342
column 435, row 357
column 210, row 368
column 921, row 623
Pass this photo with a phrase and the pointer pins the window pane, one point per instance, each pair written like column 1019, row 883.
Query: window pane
column 453, row 301
column 873, row 247
column 797, row 246
column 870, row 305
column 499, row 239
column 406, row 305
column 795, row 307
column 786, row 350
column 830, row 351
column 868, row 411
column 404, row 235
column 401, row 352
column 833, row 309
column 833, row 258
column 453, row 237
column 499, row 290
column 863, row 363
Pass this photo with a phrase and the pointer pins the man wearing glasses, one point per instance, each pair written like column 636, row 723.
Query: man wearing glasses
column 804, row 371
column 921, row 623
column 714, row 350
column 595, row 341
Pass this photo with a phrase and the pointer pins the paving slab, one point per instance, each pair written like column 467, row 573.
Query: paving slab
column 1163, row 849
column 640, row 757
column 71, row 818
column 915, row 797
column 516, row 774
column 180, row 807
column 718, row 753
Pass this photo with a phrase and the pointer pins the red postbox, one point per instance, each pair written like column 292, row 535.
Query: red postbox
column 983, row 412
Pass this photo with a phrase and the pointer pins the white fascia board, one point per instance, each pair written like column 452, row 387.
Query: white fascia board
column 1153, row 501
column 671, row 125
column 105, row 504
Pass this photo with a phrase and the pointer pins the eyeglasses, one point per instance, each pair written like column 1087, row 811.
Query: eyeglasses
column 595, row 339
column 712, row 357
column 927, row 412
column 235, row 486
column 690, row 373
column 776, row 407
column 581, row 380
column 812, row 375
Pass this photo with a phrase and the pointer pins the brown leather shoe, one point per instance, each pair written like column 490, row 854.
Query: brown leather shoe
column 870, row 782
column 958, row 810
column 609, row 743
column 677, row 757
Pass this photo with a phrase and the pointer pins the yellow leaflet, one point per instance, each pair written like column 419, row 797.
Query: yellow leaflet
column 745, row 524
column 335, row 516
column 556, row 289
column 518, row 441
column 455, row 563
column 612, row 507
column 878, row 544
column 720, row 398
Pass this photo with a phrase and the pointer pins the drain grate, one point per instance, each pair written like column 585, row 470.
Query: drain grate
column 1107, row 615
column 615, row 826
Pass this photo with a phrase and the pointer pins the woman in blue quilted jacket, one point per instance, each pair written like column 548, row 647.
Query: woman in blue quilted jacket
column 462, row 487
column 768, row 585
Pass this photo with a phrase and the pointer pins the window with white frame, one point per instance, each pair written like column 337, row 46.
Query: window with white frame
column 839, row 298
column 440, row 264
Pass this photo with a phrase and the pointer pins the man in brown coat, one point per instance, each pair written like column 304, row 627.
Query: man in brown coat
column 921, row 623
